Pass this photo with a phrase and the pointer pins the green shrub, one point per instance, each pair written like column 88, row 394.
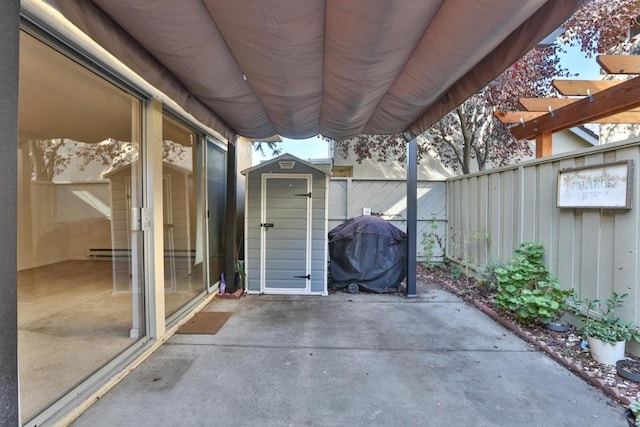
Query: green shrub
column 431, row 242
column 486, row 276
column 527, row 288
column 455, row 272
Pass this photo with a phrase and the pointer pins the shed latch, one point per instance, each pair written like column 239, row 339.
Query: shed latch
column 308, row 277
column 304, row 195
column 267, row 225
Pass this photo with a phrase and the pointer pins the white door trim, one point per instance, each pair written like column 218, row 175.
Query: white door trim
column 263, row 211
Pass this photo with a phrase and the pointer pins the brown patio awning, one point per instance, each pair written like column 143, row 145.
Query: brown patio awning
column 297, row 68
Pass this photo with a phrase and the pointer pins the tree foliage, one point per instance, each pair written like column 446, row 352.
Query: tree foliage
column 470, row 132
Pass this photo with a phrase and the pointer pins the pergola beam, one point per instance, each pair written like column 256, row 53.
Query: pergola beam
column 623, row 96
column 543, row 104
column 619, row 64
column 517, row 116
column 507, row 117
column 583, row 87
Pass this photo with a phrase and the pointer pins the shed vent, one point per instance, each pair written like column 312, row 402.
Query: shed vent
column 286, row 164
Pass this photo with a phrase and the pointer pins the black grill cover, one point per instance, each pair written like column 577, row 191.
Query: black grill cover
column 369, row 252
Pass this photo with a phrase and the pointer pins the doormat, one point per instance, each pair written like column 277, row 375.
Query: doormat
column 205, row 322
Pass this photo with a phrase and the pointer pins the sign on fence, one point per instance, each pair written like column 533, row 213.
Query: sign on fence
column 605, row 186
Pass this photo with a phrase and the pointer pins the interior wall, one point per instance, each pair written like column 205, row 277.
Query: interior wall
column 47, row 237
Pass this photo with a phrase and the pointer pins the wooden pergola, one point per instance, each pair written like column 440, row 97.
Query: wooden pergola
column 592, row 101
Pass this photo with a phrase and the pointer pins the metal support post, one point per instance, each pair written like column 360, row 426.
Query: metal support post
column 412, row 216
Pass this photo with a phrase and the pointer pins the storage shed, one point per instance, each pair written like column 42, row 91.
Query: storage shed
column 286, row 227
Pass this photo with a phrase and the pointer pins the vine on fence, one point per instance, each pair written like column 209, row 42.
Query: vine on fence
column 431, row 241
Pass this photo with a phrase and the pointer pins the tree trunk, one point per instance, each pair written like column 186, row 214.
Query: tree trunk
column 467, row 138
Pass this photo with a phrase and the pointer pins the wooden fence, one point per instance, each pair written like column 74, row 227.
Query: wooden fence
column 387, row 198
column 592, row 250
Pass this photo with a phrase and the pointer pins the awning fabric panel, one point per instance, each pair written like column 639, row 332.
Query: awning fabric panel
column 182, row 36
column 336, row 67
column 102, row 29
column 448, row 56
column 367, row 45
column 549, row 17
column 279, row 46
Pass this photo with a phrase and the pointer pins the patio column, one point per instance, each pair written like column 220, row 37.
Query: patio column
column 412, row 216
column 230, row 215
column 9, row 398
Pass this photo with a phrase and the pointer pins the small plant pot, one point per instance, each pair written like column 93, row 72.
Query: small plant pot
column 604, row 352
column 629, row 369
column 557, row 326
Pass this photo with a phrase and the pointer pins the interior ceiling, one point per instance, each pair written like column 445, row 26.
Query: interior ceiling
column 61, row 99
column 335, row 67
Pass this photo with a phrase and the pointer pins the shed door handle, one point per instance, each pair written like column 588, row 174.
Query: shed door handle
column 308, row 277
column 267, row 225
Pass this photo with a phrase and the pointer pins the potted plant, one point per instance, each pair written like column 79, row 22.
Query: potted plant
column 606, row 332
column 240, row 275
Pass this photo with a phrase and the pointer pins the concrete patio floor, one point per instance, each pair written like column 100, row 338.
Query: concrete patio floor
column 341, row 360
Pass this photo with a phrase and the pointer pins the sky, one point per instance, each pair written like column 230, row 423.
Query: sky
column 315, row 148
column 310, row 148
column 575, row 61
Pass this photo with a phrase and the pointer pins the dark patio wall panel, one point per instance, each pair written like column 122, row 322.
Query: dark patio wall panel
column 9, row 21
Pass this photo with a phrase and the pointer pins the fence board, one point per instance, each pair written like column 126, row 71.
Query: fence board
column 530, row 196
column 483, row 199
column 507, row 207
column 495, row 219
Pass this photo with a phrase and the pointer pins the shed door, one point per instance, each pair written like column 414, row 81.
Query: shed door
column 285, row 230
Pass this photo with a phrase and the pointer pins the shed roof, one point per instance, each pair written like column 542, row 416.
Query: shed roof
column 269, row 164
